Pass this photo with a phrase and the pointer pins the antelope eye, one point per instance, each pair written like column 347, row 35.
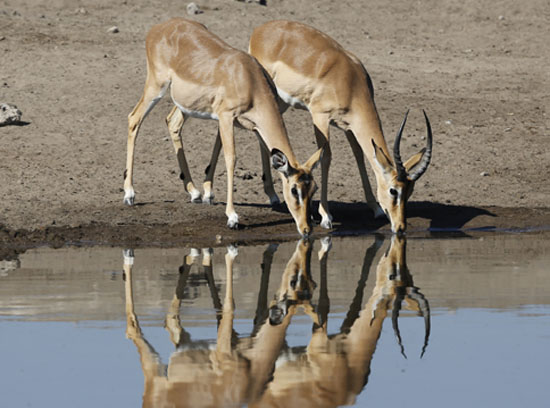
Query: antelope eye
column 294, row 191
column 393, row 192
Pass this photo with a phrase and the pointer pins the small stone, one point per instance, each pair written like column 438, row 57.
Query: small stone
column 193, row 9
column 113, row 30
column 501, row 18
column 2, row 38
column 448, row 122
column 484, row 174
column 218, row 239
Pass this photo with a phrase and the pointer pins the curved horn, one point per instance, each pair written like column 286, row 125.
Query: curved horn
column 423, row 165
column 401, row 172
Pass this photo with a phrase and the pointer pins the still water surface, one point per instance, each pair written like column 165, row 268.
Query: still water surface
column 363, row 321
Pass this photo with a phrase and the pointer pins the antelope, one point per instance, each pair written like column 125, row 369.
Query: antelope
column 312, row 71
column 259, row 370
column 209, row 79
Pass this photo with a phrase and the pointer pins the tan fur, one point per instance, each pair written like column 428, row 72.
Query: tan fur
column 334, row 86
column 207, row 78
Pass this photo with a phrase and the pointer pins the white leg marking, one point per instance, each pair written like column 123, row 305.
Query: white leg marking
column 326, row 221
column 232, row 251
column 233, row 220
column 128, row 255
column 208, row 197
column 195, row 196
column 129, row 196
column 207, row 254
column 326, row 245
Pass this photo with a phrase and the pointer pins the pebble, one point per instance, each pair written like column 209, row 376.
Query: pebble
column 484, row 174
column 113, row 30
column 193, row 9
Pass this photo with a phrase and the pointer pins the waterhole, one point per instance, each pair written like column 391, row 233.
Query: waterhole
column 356, row 321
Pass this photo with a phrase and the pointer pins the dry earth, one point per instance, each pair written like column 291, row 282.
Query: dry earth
column 479, row 68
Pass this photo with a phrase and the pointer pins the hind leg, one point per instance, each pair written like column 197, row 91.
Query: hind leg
column 175, row 121
column 152, row 93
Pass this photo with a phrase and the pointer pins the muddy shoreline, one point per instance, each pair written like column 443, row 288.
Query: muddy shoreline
column 261, row 224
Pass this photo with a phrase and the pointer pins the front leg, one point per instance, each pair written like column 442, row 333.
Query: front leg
column 208, row 197
column 359, row 158
column 266, row 173
column 228, row 142
column 321, row 125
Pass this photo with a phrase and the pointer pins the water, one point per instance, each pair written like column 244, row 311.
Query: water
column 312, row 324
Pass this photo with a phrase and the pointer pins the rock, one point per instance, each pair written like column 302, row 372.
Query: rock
column 193, row 9
column 483, row 174
column 113, row 30
column 9, row 114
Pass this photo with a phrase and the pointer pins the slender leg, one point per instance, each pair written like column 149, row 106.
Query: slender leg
column 359, row 158
column 266, row 173
column 175, row 121
column 321, row 125
column 208, row 197
column 228, row 142
column 152, row 93
column 225, row 329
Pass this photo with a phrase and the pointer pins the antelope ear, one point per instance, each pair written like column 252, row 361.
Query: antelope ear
column 279, row 161
column 315, row 159
column 381, row 159
column 413, row 161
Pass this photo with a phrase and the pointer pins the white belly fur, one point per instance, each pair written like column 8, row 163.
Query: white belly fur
column 196, row 114
column 290, row 100
column 193, row 100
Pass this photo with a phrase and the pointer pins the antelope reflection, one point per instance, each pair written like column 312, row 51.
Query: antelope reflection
column 260, row 370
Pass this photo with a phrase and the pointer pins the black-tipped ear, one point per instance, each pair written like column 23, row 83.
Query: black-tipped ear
column 279, row 161
column 381, row 159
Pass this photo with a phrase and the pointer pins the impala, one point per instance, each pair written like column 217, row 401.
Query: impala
column 312, row 71
column 208, row 79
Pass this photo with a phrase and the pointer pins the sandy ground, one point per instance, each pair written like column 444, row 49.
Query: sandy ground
column 479, row 68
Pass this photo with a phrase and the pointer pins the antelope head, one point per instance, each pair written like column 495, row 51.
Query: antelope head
column 298, row 187
column 396, row 182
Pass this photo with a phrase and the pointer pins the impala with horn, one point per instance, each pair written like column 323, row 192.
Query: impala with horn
column 312, row 71
column 209, row 79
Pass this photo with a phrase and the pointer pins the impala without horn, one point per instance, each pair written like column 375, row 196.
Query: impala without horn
column 209, row 79
column 312, row 71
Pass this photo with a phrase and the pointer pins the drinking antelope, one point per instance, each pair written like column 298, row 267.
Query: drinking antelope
column 209, row 79
column 312, row 71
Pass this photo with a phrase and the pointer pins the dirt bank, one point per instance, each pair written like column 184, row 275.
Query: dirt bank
column 478, row 68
